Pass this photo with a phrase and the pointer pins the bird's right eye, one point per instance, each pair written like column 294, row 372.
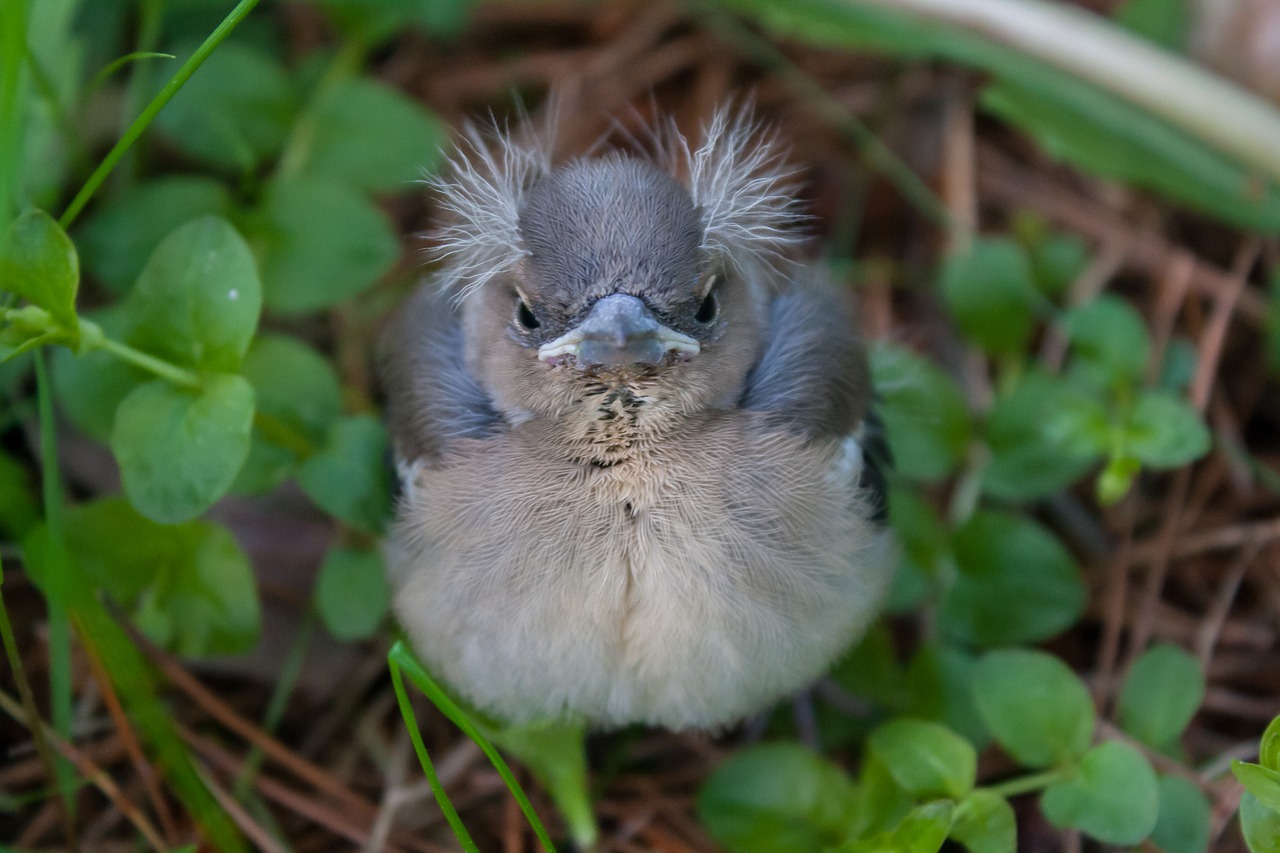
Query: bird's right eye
column 525, row 317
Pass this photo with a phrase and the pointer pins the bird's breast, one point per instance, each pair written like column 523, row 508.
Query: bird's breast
column 685, row 583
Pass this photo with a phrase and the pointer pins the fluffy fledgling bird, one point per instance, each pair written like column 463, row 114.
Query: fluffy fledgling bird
column 631, row 438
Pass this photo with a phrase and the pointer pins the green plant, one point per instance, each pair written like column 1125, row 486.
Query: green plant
column 916, row 787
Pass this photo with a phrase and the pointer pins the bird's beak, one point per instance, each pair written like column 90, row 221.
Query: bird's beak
column 619, row 331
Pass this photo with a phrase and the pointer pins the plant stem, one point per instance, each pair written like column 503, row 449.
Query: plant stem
column 13, row 49
column 1090, row 47
column 243, row 8
column 165, row 370
column 58, row 579
column 1030, row 782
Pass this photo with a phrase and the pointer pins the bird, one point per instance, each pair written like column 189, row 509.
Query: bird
column 640, row 469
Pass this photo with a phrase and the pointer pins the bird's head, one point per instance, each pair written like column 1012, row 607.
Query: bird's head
column 613, row 274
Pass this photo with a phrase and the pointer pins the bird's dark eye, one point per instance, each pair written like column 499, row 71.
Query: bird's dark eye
column 525, row 317
column 709, row 309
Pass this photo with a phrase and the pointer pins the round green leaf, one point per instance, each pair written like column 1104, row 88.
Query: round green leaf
column 926, row 759
column 1165, row 432
column 1016, row 583
column 925, row 415
column 39, row 263
column 120, row 235
column 1183, row 822
column 1034, row 705
column 298, row 398
column 984, row 823
column 776, row 798
column 989, row 291
column 348, row 478
column 1160, row 695
column 1113, row 797
column 198, row 298
column 352, row 594
column 1260, row 825
column 1111, row 337
column 1028, row 459
column 180, row 451
column 371, row 137
column 235, row 111
column 294, row 384
column 320, row 242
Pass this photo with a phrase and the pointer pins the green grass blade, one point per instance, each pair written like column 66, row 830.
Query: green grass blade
column 176, row 82
column 415, row 735
column 59, row 578
column 400, row 657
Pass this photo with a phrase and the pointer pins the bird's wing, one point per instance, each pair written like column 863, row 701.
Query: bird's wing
column 813, row 376
column 431, row 397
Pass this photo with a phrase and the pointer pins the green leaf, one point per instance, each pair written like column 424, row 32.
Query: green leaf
column 198, row 298
column 298, row 398
column 926, row 759
column 925, row 415
column 1035, row 706
column 925, row 541
column 1269, row 747
column 235, row 111
column 1057, row 261
column 1004, row 558
column 89, row 387
column 923, row 830
column 1183, row 822
column 989, row 291
column 939, row 678
column 1111, row 337
column 870, row 669
column 1114, row 796
column 189, row 585
column 776, row 798
column 1072, row 119
column 371, row 137
column 121, row 234
column 374, row 20
column 881, row 803
column 1260, row 825
column 294, row 384
column 984, row 823
column 348, row 478
column 351, row 593
column 1030, row 460
column 1160, row 695
column 1165, row 432
column 39, row 263
column 180, row 451
column 1101, row 133
column 1165, row 22
column 320, row 242
column 1260, row 781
